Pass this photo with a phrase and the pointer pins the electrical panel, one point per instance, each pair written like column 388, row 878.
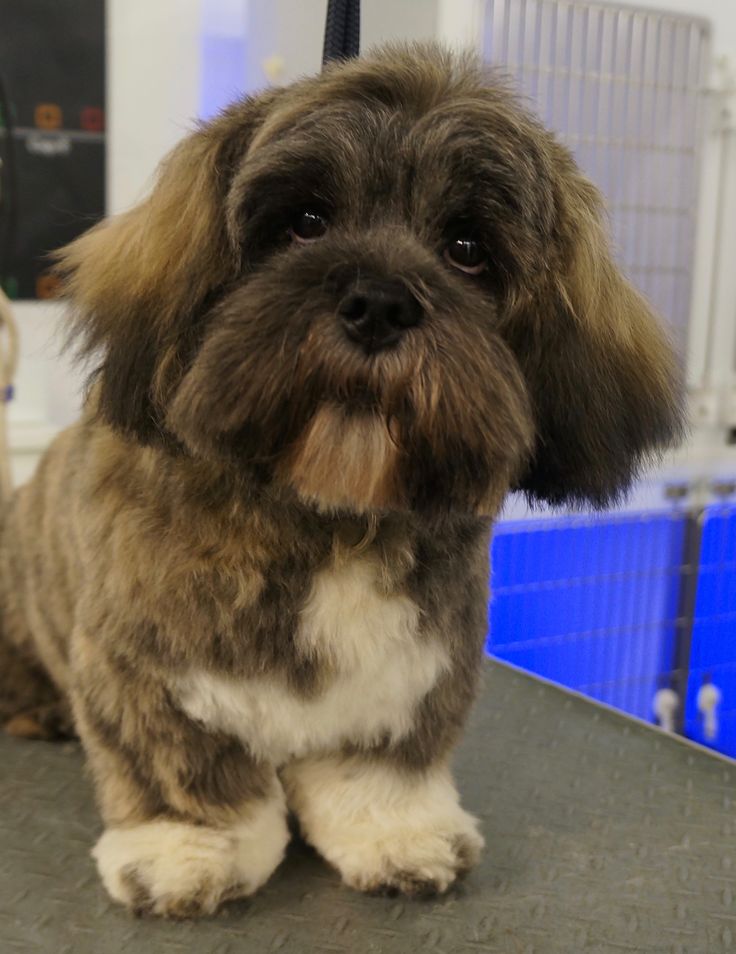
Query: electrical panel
column 52, row 62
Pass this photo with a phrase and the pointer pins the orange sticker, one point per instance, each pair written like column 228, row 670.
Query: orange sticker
column 92, row 119
column 48, row 116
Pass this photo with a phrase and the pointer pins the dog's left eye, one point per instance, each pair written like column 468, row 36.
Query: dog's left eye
column 467, row 254
column 308, row 226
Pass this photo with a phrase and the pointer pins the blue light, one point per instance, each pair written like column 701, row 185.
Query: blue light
column 224, row 54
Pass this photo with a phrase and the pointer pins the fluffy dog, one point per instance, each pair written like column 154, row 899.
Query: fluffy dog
column 351, row 316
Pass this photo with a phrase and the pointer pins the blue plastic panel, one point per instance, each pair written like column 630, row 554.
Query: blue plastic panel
column 713, row 654
column 590, row 602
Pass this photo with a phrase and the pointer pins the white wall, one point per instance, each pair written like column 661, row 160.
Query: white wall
column 153, row 88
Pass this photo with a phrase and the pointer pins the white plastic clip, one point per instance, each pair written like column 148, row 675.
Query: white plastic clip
column 665, row 704
column 709, row 698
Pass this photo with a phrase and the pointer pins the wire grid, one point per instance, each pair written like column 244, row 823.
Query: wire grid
column 625, row 89
column 599, row 603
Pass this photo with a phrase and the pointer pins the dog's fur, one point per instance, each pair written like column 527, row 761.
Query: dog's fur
column 258, row 566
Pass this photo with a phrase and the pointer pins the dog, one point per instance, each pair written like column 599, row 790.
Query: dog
column 353, row 314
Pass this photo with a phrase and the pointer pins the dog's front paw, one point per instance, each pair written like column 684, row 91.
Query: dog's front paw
column 177, row 870
column 386, row 831
column 168, row 868
column 409, row 860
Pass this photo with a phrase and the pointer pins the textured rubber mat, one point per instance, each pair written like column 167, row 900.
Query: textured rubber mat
column 603, row 836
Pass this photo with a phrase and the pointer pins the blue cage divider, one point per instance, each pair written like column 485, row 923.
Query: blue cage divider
column 590, row 602
column 713, row 650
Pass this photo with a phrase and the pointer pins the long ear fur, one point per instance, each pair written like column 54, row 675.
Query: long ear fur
column 138, row 281
column 603, row 378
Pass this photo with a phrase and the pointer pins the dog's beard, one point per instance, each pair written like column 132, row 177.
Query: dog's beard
column 346, row 460
column 440, row 423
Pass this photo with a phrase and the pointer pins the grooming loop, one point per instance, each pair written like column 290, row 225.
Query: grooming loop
column 342, row 30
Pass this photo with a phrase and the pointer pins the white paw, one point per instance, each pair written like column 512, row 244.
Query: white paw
column 384, row 831
column 409, row 860
column 179, row 870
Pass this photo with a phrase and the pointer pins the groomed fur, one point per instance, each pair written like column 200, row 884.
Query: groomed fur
column 260, row 560
column 145, row 284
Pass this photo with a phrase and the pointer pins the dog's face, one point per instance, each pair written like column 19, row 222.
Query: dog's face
column 386, row 287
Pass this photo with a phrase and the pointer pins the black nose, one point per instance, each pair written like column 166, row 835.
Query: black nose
column 375, row 314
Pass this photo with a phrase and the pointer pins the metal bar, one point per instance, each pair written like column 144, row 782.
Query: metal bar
column 687, row 601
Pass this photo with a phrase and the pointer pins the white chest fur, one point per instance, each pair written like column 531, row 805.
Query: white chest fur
column 380, row 669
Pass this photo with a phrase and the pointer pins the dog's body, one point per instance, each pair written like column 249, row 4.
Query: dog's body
column 258, row 566
column 281, row 632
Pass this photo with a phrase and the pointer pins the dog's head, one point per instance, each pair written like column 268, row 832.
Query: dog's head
column 387, row 287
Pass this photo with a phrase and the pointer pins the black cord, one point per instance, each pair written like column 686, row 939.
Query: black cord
column 342, row 30
column 8, row 186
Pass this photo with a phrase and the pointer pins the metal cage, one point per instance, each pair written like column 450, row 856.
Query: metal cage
column 625, row 89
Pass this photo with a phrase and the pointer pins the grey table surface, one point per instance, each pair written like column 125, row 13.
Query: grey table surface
column 603, row 835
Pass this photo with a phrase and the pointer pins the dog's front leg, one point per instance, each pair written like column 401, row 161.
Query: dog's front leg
column 192, row 819
column 385, row 827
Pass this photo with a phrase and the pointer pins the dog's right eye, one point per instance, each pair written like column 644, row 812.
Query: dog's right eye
column 308, row 226
column 467, row 255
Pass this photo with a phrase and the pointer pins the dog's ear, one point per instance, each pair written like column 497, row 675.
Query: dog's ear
column 603, row 378
column 138, row 281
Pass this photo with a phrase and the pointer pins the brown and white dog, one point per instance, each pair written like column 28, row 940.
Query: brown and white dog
column 351, row 316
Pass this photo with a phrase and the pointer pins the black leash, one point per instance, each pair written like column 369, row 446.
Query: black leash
column 342, row 30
